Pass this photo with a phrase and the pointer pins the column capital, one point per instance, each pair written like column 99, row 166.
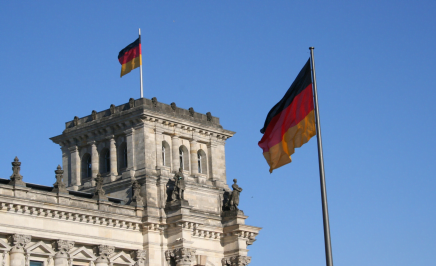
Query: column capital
column 73, row 148
column 19, row 242
column 236, row 261
column 129, row 131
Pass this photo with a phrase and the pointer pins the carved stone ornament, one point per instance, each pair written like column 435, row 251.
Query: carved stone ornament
column 191, row 111
column 131, row 103
column 16, row 178
column 112, row 109
column 236, row 261
column 76, row 121
column 181, row 255
column 99, row 193
column 154, row 102
column 209, row 116
column 59, row 186
column 94, row 115
column 173, row 106
column 140, row 256
column 104, row 251
column 19, row 242
column 137, row 199
column 63, row 247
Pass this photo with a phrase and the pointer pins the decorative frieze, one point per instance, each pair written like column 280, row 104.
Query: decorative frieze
column 70, row 216
column 236, row 261
column 182, row 256
column 19, row 241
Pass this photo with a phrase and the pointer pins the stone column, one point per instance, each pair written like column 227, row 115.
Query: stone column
column 16, row 254
column 66, row 164
column 175, row 152
column 194, row 157
column 95, row 162
column 61, row 257
column 159, row 139
column 103, row 255
column 113, row 155
column 236, row 261
column 75, row 167
column 139, row 256
column 131, row 165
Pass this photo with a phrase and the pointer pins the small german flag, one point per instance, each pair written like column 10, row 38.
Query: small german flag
column 290, row 123
column 130, row 57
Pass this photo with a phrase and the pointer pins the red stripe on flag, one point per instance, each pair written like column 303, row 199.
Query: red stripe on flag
column 289, row 117
column 130, row 55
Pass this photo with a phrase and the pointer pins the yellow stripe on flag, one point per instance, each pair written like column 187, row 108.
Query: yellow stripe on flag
column 132, row 64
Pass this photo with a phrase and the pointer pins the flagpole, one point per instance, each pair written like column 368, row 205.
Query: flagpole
column 325, row 211
column 140, row 67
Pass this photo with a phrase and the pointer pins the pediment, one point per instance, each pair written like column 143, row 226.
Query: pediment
column 4, row 245
column 83, row 253
column 40, row 248
column 121, row 258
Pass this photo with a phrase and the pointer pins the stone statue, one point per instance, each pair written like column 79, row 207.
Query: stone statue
column 234, row 197
column 179, row 185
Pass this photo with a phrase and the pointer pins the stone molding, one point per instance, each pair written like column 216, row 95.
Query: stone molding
column 70, row 216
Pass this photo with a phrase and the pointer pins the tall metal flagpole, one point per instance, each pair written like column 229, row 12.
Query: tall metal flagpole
column 325, row 211
column 140, row 67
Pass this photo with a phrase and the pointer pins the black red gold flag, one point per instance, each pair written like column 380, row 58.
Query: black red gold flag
column 290, row 123
column 130, row 57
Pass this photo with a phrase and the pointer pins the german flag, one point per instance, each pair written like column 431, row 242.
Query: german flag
column 130, row 57
column 290, row 123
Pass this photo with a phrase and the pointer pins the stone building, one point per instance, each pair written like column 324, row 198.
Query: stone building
column 114, row 203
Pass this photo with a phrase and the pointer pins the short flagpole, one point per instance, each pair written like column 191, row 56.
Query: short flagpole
column 325, row 211
column 140, row 67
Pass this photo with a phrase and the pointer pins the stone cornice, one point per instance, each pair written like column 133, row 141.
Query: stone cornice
column 122, row 120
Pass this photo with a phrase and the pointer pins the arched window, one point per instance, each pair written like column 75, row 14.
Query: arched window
column 202, row 162
column 122, row 156
column 166, row 157
column 86, row 167
column 105, row 161
column 184, row 158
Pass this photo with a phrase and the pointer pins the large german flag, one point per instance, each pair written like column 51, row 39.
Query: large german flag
column 130, row 57
column 290, row 123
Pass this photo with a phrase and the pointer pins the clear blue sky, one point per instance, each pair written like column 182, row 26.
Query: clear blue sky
column 375, row 63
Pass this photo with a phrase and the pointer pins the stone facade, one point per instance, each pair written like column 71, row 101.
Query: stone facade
column 111, row 203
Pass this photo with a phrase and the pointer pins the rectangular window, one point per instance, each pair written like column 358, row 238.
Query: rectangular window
column 36, row 263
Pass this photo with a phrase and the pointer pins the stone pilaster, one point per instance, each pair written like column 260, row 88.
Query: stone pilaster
column 66, row 164
column 236, row 261
column 194, row 157
column 16, row 255
column 62, row 248
column 175, row 144
column 75, row 167
column 59, row 187
column 16, row 177
column 113, row 155
column 182, row 256
column 104, row 251
column 131, row 163
column 94, row 161
column 159, row 139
